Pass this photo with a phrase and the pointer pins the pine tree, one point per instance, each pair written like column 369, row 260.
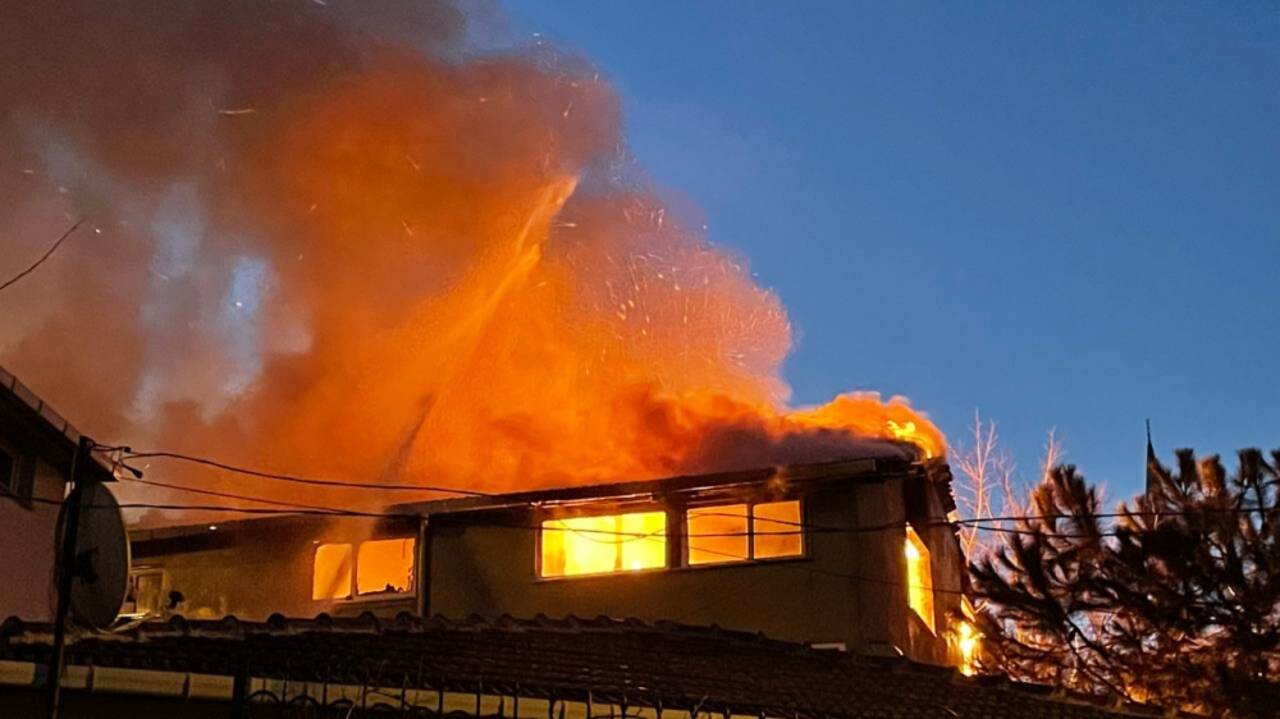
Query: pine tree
column 1174, row 599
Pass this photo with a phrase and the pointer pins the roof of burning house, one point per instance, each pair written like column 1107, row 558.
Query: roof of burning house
column 892, row 459
column 51, row 427
column 534, row 668
column 884, row 465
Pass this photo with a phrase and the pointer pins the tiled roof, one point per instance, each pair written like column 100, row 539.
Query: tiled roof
column 598, row 666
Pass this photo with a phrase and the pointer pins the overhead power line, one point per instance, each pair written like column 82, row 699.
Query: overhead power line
column 287, row 508
column 230, row 495
column 48, row 253
column 279, row 477
column 983, row 524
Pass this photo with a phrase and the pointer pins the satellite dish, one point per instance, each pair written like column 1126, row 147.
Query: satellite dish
column 101, row 577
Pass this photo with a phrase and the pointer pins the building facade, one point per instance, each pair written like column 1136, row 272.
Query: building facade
column 855, row 555
column 36, row 449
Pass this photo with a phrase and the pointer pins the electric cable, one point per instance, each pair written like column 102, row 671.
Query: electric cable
column 43, row 258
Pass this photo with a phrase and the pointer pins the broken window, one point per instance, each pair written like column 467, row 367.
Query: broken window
column 919, row 577
column 385, row 566
column 574, row 546
column 378, row 566
column 738, row 532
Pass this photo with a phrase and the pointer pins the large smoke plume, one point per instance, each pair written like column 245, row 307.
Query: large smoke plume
column 335, row 239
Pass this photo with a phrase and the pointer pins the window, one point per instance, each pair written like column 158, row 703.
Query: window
column 385, row 566
column 737, row 532
column 332, row 576
column 777, row 530
column 8, row 472
column 718, row 534
column 17, row 475
column 919, row 577
column 148, row 592
column 574, row 546
column 375, row 567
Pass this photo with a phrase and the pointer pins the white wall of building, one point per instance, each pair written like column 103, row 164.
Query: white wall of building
column 26, row 549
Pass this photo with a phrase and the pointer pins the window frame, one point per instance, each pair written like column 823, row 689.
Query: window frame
column 9, row 480
column 20, row 484
column 602, row 511
column 354, row 596
column 135, row 575
column 751, row 557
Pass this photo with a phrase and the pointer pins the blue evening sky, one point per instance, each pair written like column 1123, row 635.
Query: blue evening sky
column 1063, row 214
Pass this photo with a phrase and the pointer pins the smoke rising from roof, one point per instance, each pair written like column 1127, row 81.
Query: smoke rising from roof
column 337, row 239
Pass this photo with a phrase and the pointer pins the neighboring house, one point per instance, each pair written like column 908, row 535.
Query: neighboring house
column 36, row 449
column 856, row 555
column 536, row 669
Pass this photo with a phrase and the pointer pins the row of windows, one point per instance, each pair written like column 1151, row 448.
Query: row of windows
column 718, row 534
column 603, row 544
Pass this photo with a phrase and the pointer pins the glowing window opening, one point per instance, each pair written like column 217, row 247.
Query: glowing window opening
column 372, row 568
column 331, row 575
column 603, row 544
column 919, row 578
column 385, row 566
column 728, row 533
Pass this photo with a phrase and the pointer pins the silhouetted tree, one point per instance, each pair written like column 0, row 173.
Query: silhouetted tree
column 1173, row 599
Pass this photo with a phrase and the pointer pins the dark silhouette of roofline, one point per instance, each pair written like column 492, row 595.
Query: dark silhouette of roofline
column 53, row 429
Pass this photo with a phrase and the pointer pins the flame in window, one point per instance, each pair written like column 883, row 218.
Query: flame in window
column 718, row 534
column 738, row 532
column 575, row 546
column 919, row 578
column 385, row 566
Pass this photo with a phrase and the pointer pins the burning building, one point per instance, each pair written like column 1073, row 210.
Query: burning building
column 338, row 240
column 856, row 554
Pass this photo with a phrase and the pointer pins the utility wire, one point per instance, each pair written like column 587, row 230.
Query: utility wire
column 302, row 480
column 48, row 253
column 229, row 495
column 980, row 523
column 983, row 524
column 310, row 510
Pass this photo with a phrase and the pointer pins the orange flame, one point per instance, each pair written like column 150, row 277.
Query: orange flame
column 464, row 282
